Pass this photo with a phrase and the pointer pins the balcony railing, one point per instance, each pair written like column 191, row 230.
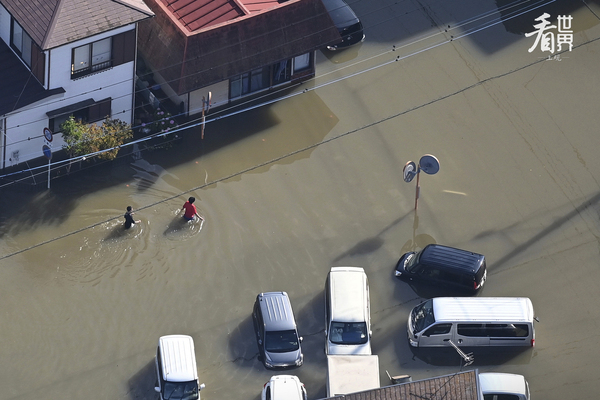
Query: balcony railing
column 90, row 70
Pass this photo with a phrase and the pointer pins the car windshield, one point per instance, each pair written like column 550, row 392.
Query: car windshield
column 412, row 261
column 348, row 333
column 281, row 341
column 181, row 391
column 422, row 316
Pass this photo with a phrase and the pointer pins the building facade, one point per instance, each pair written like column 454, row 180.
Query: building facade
column 62, row 58
column 231, row 48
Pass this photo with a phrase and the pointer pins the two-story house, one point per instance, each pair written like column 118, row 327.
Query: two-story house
column 232, row 48
column 60, row 58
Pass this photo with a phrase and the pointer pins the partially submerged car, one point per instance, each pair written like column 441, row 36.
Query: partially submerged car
column 276, row 331
column 347, row 23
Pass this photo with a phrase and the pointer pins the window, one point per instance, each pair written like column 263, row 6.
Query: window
column 493, row 330
column 21, row 42
column 87, row 113
column 302, row 62
column 439, row 329
column 91, row 57
column 261, row 78
column 281, row 72
column 348, row 332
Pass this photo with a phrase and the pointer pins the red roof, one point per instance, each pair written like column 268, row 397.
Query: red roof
column 198, row 14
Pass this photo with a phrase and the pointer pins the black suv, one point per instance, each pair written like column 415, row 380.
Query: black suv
column 444, row 266
column 347, row 23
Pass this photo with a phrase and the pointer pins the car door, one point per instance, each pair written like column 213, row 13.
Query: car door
column 436, row 335
column 471, row 335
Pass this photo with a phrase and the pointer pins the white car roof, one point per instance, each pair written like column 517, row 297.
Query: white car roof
column 513, row 309
column 286, row 387
column 495, row 382
column 178, row 358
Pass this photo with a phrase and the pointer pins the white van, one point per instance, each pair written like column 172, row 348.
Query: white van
column 472, row 321
column 347, row 312
column 176, row 371
column 500, row 386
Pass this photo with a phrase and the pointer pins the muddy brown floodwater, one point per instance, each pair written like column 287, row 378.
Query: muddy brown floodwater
column 517, row 139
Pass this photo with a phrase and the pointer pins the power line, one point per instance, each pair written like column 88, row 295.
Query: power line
column 495, row 21
column 459, row 25
column 291, row 154
column 398, row 58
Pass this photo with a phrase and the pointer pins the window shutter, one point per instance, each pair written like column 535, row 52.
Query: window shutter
column 38, row 63
column 99, row 111
column 123, row 47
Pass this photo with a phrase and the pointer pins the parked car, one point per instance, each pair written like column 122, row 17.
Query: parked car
column 283, row 387
column 347, row 312
column 347, row 23
column 499, row 386
column 472, row 322
column 444, row 266
column 177, row 375
column 276, row 331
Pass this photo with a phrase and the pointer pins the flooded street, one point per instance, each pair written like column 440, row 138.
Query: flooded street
column 314, row 181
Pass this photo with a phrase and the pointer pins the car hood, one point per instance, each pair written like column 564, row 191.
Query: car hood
column 288, row 358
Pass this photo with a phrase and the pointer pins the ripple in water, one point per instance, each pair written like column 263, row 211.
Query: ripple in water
column 180, row 229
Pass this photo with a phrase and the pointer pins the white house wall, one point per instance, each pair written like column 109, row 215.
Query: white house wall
column 24, row 127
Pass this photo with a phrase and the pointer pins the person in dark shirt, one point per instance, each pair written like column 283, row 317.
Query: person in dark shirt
column 129, row 221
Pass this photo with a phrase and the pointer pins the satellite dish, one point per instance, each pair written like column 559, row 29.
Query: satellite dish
column 409, row 171
column 429, row 164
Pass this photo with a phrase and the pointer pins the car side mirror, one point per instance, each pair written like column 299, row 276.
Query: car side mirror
column 202, row 386
column 325, row 332
column 260, row 341
column 301, row 339
column 157, row 389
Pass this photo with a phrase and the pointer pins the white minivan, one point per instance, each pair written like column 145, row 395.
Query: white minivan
column 347, row 312
column 177, row 376
column 472, row 322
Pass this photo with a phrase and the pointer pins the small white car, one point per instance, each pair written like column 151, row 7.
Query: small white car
column 283, row 387
column 498, row 386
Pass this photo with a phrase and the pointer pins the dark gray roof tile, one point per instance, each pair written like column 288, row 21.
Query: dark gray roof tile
column 53, row 23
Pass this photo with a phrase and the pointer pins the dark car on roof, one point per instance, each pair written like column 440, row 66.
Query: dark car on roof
column 444, row 266
column 347, row 23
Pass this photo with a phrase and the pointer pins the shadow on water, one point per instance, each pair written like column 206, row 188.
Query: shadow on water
column 141, row 385
column 180, row 229
column 23, row 208
column 371, row 244
column 243, row 346
column 343, row 55
column 117, row 232
column 428, row 291
column 447, row 356
column 593, row 202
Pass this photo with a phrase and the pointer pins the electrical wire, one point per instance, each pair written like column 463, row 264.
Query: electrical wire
column 459, row 25
column 212, row 119
column 495, row 21
column 290, row 154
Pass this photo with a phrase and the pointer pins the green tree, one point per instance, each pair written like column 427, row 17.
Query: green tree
column 81, row 139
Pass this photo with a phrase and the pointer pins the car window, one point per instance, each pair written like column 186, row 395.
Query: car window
column 439, row 329
column 348, row 333
column 502, row 396
column 281, row 341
